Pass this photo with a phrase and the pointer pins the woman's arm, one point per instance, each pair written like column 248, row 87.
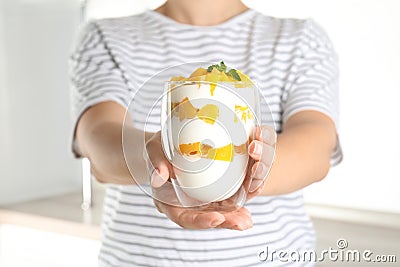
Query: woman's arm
column 99, row 137
column 303, row 152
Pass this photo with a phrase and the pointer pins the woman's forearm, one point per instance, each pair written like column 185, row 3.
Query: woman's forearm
column 99, row 138
column 303, row 152
column 113, row 159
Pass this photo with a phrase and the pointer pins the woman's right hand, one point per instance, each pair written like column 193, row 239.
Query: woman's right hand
column 160, row 171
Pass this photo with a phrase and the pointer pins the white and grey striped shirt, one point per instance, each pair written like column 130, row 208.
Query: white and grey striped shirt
column 294, row 65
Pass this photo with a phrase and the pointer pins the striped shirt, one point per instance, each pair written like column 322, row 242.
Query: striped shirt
column 120, row 59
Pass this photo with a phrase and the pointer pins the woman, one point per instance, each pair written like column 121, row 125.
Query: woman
column 294, row 65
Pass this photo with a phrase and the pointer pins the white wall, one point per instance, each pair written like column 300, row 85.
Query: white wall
column 366, row 35
column 2, row 91
column 35, row 43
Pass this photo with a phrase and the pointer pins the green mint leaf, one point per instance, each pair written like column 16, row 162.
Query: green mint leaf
column 233, row 73
column 222, row 66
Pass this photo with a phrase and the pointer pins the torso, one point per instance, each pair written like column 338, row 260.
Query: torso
column 265, row 48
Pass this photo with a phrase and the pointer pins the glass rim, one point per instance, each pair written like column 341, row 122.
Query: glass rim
column 218, row 82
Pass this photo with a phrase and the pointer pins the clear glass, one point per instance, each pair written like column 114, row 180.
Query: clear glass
column 206, row 130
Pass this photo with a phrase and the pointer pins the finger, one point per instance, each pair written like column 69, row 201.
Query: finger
column 193, row 219
column 157, row 164
column 266, row 134
column 259, row 172
column 252, row 185
column 257, row 191
column 247, row 179
column 196, row 220
column 261, row 151
column 160, row 175
column 237, row 220
column 165, row 194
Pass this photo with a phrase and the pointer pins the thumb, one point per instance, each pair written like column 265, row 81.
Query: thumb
column 157, row 164
column 160, row 174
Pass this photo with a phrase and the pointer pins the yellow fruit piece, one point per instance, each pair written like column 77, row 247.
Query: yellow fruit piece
column 244, row 111
column 243, row 77
column 245, row 80
column 241, row 149
column 208, row 113
column 177, row 78
column 197, row 78
column 198, row 72
column 215, row 76
column 185, row 110
column 224, row 153
column 190, row 149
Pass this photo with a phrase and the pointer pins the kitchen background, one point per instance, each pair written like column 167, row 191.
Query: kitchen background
column 45, row 220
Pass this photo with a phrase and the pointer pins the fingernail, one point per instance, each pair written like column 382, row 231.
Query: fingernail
column 266, row 135
column 256, row 148
column 255, row 184
column 259, row 171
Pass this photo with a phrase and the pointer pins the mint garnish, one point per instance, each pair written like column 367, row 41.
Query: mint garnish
column 233, row 73
column 210, row 68
column 222, row 68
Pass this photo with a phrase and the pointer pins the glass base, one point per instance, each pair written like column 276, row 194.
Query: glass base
column 232, row 203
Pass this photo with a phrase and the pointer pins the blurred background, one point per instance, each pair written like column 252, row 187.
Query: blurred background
column 50, row 207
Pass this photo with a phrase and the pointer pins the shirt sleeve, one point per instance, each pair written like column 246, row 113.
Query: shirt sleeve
column 315, row 86
column 95, row 75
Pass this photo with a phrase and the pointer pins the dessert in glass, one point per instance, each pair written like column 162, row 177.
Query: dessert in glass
column 208, row 121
